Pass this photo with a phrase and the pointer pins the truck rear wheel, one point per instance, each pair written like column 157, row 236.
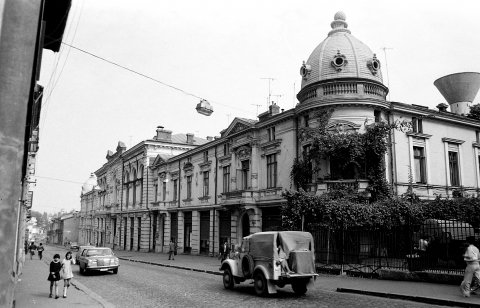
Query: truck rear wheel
column 260, row 283
column 299, row 287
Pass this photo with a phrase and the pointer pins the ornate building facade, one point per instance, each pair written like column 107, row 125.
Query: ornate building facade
column 206, row 192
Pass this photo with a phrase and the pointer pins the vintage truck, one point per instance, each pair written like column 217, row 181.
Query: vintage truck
column 258, row 258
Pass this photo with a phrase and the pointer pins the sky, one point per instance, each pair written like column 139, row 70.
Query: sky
column 231, row 53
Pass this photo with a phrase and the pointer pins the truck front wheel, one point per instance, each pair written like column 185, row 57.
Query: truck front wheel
column 228, row 282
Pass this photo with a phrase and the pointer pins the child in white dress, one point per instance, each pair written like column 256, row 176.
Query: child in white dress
column 67, row 272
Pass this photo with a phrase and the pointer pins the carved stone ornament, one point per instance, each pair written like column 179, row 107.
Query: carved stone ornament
column 342, row 127
column 374, row 65
column 305, row 70
column 243, row 152
column 174, row 175
column 239, row 127
column 162, row 175
column 339, row 61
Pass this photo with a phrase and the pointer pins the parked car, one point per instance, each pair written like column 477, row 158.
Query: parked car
column 73, row 246
column 258, row 258
column 80, row 250
column 98, row 259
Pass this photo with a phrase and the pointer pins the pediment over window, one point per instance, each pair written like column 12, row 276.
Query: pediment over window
column 342, row 126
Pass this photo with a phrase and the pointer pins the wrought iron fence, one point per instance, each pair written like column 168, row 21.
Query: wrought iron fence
column 434, row 246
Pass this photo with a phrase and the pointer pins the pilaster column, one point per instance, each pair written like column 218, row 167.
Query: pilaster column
column 195, row 240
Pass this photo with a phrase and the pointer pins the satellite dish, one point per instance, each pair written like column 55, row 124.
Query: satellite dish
column 204, row 107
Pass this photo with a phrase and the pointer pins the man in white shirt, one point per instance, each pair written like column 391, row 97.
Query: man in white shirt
column 471, row 257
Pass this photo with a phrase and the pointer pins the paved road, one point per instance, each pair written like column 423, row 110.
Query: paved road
column 144, row 285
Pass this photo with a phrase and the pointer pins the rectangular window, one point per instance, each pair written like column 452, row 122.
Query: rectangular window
column 226, row 179
column 454, row 170
column 164, row 191
column 206, row 175
column 306, row 119
column 417, row 125
column 376, row 114
column 271, row 133
column 205, row 156
column 244, row 173
column 175, row 182
column 139, row 232
column 189, row 187
column 419, row 164
column 226, row 149
column 272, row 171
column 156, row 191
column 477, row 136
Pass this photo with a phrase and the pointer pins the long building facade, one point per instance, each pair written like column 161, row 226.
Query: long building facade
column 201, row 193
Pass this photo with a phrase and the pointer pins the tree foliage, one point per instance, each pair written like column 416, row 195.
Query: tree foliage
column 474, row 112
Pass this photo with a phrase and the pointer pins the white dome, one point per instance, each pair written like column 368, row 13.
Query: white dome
column 90, row 184
column 341, row 56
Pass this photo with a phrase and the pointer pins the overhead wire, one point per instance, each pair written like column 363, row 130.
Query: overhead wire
column 149, row 77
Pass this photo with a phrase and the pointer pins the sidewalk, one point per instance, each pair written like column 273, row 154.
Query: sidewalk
column 430, row 293
column 33, row 288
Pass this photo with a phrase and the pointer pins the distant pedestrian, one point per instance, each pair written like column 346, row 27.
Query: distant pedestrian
column 40, row 250
column 67, row 273
column 54, row 275
column 32, row 249
column 225, row 251
column 471, row 257
column 171, row 250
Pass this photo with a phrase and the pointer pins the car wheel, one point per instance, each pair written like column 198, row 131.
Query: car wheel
column 115, row 271
column 299, row 287
column 228, row 281
column 260, row 284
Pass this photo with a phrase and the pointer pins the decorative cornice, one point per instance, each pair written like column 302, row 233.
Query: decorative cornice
column 418, row 135
column 451, row 140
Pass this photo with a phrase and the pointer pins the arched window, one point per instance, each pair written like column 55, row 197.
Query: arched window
column 126, row 188
column 140, row 184
column 134, row 190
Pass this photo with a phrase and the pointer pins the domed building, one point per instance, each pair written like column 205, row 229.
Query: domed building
column 203, row 194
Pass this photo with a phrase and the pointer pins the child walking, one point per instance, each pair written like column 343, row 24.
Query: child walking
column 67, row 272
column 54, row 275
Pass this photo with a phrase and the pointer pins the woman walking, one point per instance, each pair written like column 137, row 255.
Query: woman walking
column 54, row 275
column 32, row 249
column 40, row 250
column 67, row 272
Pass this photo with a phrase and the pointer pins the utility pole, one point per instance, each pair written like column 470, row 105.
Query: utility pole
column 386, row 68
column 228, row 118
column 270, row 79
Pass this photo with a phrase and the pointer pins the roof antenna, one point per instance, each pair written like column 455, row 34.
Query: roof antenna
column 270, row 79
column 386, row 67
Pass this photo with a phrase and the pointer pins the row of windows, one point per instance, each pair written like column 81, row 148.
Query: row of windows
column 243, row 180
column 419, row 164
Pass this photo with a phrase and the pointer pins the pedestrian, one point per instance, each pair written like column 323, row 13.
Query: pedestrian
column 67, row 273
column 171, row 250
column 32, row 249
column 471, row 257
column 40, row 250
column 282, row 260
column 225, row 251
column 54, row 275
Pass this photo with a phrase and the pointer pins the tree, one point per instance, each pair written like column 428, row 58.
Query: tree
column 474, row 112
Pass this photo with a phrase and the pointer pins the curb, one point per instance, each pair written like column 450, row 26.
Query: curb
column 172, row 266
column 419, row 299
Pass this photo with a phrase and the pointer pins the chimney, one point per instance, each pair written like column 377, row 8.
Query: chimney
column 189, row 138
column 163, row 135
column 274, row 109
column 209, row 138
column 442, row 107
column 459, row 90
